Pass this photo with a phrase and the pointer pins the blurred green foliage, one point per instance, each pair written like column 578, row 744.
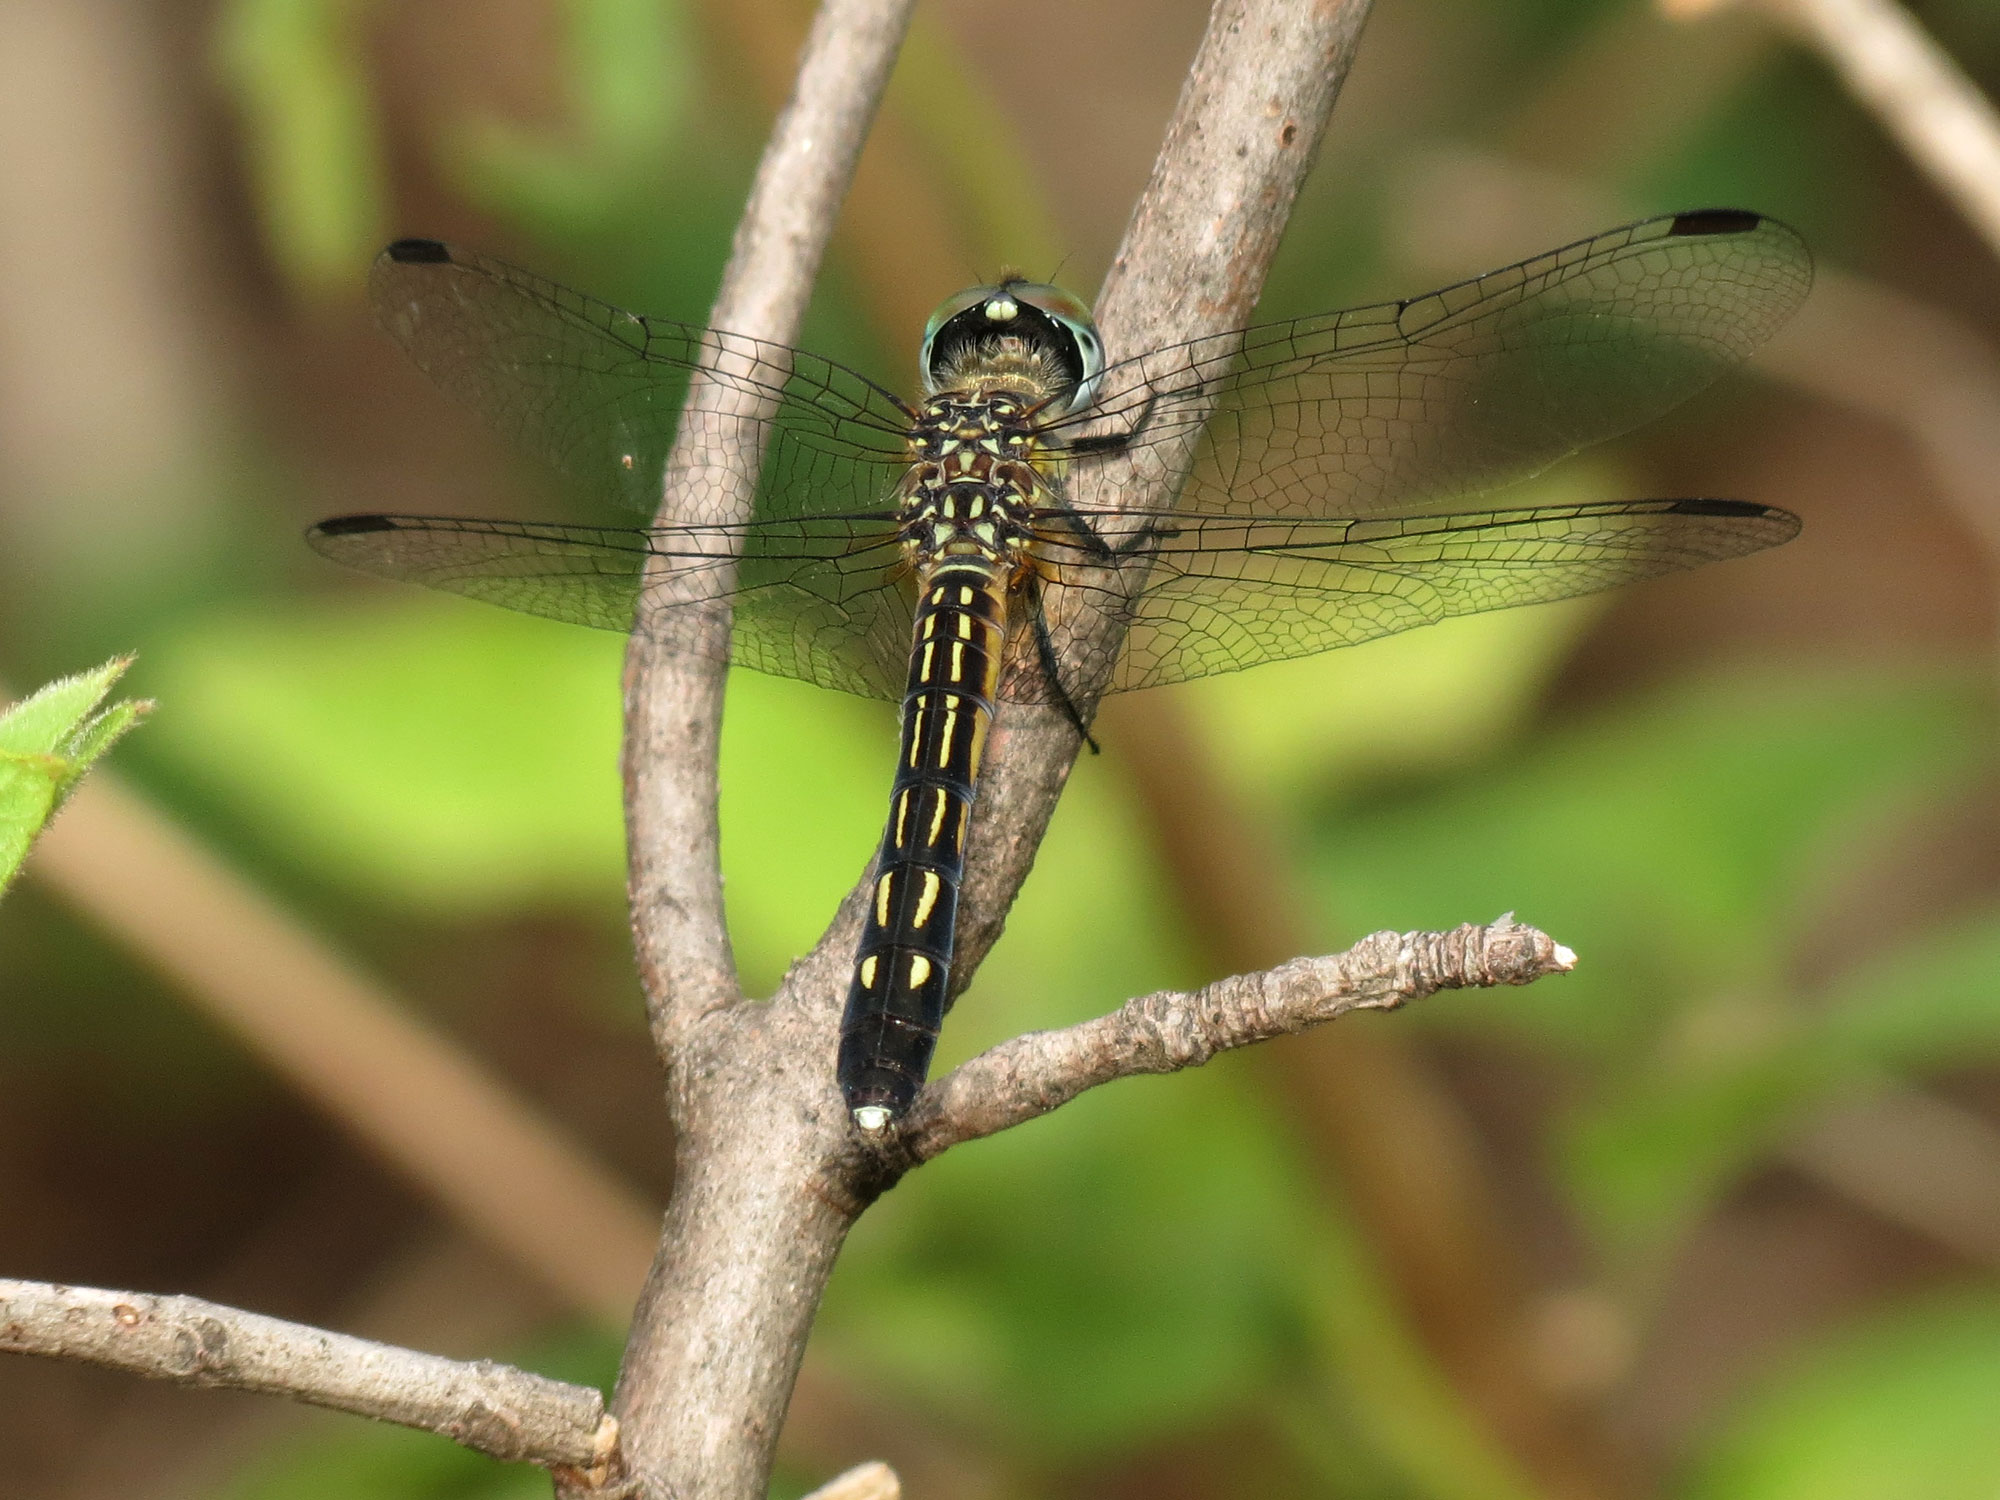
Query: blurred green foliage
column 626, row 73
column 1901, row 1405
column 298, row 75
column 1677, row 843
column 1157, row 1262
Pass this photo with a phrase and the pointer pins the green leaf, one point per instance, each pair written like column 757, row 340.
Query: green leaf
column 1905, row 1405
column 1657, row 1151
column 47, row 742
column 299, row 73
column 1668, row 842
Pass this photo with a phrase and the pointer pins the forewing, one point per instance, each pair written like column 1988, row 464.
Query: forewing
column 823, row 600
column 597, row 391
column 1407, row 407
column 1225, row 592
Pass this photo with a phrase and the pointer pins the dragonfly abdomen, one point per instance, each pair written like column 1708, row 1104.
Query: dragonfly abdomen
column 902, row 969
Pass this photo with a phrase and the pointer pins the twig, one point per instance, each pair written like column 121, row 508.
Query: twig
column 491, row 1408
column 862, row 1482
column 1915, row 1158
column 1921, row 96
column 487, row 1156
column 1172, row 1029
column 673, row 699
column 768, row 1178
column 1192, row 262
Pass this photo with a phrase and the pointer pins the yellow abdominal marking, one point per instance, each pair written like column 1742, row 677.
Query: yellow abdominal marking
column 937, row 820
column 957, row 661
column 927, row 898
column 902, row 816
column 945, row 739
column 920, row 970
column 965, row 625
column 868, row 966
column 882, row 888
column 978, row 749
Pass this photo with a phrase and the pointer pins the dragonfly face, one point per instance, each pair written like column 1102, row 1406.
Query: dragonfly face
column 1342, row 490
column 1029, row 327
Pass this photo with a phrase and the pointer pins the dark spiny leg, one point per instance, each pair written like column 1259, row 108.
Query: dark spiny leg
column 1092, row 542
column 1152, row 531
column 1115, row 442
column 1045, row 653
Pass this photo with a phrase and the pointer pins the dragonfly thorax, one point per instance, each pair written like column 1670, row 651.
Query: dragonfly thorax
column 991, row 418
column 973, row 486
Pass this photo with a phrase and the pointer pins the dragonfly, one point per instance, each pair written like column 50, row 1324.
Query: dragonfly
column 966, row 548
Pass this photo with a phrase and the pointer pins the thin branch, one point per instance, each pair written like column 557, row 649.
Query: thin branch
column 1193, row 260
column 673, row 700
column 490, row 1408
column 411, row 1095
column 1172, row 1029
column 767, row 1181
column 872, row 1481
column 745, row 1250
column 1921, row 96
column 1915, row 1158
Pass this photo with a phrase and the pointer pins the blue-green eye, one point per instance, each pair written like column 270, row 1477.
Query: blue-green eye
column 1031, row 310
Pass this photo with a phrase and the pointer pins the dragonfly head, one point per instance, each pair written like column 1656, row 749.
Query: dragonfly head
column 1030, row 330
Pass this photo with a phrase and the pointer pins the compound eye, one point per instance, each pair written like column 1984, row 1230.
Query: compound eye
column 1072, row 320
column 1031, row 311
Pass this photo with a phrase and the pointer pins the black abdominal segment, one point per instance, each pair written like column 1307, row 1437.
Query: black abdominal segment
column 902, row 970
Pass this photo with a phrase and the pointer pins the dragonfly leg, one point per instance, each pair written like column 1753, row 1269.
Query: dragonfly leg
column 1045, row 654
column 1094, row 543
column 1114, row 442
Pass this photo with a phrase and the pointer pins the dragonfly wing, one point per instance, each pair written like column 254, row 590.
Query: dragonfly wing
column 597, row 391
column 1405, row 407
column 821, row 600
column 1226, row 592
